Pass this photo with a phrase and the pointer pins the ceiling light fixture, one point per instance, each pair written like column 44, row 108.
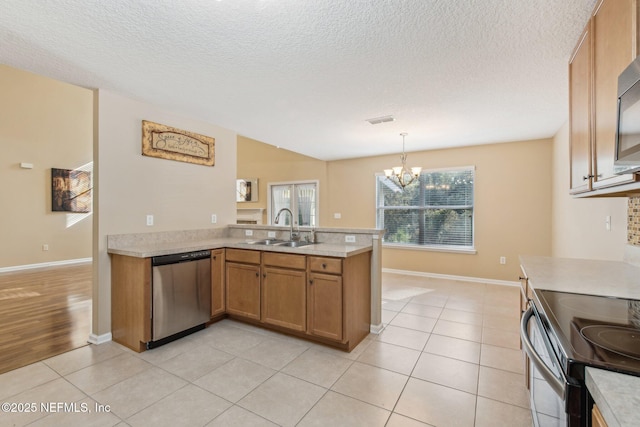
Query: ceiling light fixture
column 401, row 175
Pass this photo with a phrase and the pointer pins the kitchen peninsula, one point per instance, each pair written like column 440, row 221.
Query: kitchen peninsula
column 327, row 290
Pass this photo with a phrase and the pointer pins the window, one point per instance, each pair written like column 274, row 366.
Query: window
column 435, row 211
column 301, row 198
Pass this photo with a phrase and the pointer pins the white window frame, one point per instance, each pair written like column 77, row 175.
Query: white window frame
column 271, row 214
column 436, row 248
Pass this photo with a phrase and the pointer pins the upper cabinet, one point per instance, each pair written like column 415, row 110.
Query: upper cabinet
column 606, row 47
column 580, row 114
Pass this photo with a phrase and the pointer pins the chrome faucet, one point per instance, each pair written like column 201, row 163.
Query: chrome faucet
column 292, row 236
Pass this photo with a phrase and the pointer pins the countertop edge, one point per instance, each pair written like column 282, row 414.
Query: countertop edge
column 616, row 396
column 317, row 249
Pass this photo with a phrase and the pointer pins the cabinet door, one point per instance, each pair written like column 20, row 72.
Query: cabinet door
column 218, row 273
column 325, row 306
column 613, row 50
column 580, row 115
column 284, row 298
column 243, row 290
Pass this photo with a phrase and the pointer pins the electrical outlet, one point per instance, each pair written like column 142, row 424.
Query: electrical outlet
column 45, row 247
column 271, row 234
column 503, row 260
column 149, row 219
column 337, row 215
column 248, row 232
column 350, row 239
column 214, row 218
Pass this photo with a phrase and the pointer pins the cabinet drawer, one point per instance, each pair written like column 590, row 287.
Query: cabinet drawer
column 276, row 259
column 242, row 255
column 325, row 265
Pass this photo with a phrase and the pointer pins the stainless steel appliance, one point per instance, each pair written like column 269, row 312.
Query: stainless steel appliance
column 562, row 333
column 627, row 158
column 181, row 295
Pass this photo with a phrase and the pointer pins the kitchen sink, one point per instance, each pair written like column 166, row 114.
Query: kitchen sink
column 267, row 242
column 294, row 244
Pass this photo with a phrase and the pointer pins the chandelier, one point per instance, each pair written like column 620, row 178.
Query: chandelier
column 401, row 175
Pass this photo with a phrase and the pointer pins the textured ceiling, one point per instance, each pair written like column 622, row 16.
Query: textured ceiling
column 306, row 74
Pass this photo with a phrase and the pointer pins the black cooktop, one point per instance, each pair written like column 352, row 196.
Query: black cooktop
column 594, row 330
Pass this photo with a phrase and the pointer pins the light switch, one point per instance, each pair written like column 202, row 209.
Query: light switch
column 149, row 219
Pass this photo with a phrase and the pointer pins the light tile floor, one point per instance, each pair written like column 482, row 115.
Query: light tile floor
column 448, row 356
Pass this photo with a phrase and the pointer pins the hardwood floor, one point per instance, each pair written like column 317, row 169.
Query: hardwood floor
column 43, row 313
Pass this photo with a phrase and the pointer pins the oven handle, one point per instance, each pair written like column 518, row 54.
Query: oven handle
column 559, row 386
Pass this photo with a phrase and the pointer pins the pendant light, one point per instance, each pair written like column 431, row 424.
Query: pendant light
column 401, row 175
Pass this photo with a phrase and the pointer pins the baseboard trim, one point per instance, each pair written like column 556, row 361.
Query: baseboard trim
column 376, row 329
column 46, row 264
column 99, row 339
column 451, row 277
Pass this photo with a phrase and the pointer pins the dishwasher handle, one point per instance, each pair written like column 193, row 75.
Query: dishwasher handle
column 558, row 385
column 182, row 257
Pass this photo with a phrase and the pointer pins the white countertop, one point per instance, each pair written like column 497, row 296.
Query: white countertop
column 617, row 395
column 143, row 250
column 606, row 278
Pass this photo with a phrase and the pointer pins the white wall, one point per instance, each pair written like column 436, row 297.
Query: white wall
column 578, row 224
column 181, row 196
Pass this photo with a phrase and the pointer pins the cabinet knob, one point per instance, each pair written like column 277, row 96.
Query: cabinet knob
column 311, row 282
column 264, row 275
column 257, row 274
column 214, row 257
column 522, row 278
column 585, row 178
column 324, row 265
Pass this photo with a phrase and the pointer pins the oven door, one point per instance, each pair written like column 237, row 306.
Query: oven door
column 548, row 384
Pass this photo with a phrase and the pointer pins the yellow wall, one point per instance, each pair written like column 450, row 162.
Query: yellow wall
column 512, row 206
column 271, row 164
column 512, row 195
column 49, row 124
column 579, row 223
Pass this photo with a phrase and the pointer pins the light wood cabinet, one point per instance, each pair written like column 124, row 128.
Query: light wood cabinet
column 131, row 301
column 580, row 114
column 327, row 299
column 597, row 420
column 284, row 294
column 218, row 273
column 339, row 298
column 243, row 284
column 606, row 47
column 614, row 47
column 325, row 306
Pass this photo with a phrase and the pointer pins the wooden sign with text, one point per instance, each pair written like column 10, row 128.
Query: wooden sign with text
column 170, row 143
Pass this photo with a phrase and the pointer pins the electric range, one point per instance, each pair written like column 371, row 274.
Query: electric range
column 565, row 332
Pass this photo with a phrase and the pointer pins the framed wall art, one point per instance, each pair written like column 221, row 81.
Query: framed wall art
column 70, row 190
column 247, row 190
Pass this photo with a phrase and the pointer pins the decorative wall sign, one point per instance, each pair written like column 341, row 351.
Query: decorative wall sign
column 70, row 190
column 170, row 143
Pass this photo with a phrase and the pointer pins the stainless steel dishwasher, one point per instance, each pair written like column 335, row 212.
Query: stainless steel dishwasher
column 181, row 295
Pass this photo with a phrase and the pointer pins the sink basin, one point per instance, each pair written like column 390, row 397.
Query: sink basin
column 267, row 242
column 294, row 244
